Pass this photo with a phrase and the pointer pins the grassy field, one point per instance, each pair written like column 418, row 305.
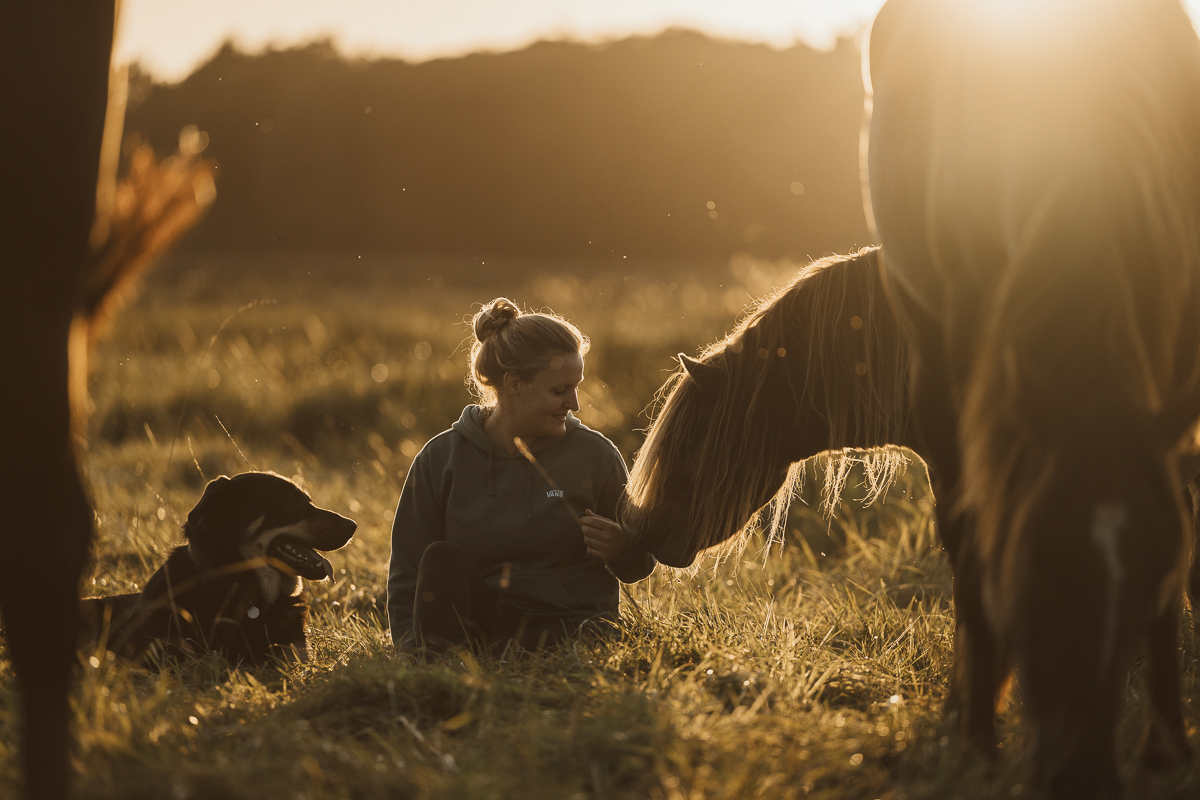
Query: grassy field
column 815, row 670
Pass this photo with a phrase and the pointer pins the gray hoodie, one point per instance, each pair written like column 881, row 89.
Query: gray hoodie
column 499, row 508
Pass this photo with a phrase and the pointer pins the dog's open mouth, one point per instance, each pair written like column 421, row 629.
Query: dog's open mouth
column 301, row 558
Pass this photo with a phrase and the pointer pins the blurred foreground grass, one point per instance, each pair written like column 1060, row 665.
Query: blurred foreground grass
column 815, row 670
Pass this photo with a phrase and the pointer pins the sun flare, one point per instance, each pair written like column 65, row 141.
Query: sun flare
column 1004, row 10
column 1006, row 18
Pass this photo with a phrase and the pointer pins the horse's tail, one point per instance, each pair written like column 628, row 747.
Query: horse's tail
column 137, row 218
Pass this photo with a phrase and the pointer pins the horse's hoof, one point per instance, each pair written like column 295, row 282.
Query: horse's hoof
column 1160, row 754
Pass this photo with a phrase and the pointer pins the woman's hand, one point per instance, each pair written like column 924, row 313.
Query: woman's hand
column 604, row 538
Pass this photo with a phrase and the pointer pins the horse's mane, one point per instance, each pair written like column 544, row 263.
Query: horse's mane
column 846, row 384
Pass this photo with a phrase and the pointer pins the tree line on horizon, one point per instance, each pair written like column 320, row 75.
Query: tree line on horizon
column 671, row 147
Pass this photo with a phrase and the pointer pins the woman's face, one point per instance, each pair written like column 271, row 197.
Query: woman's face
column 539, row 408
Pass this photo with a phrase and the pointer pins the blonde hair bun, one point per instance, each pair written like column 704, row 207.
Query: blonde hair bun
column 509, row 340
column 493, row 317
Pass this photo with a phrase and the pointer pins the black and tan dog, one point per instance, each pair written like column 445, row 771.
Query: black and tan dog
column 235, row 586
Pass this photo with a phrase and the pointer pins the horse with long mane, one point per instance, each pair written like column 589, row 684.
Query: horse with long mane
column 1049, row 303
column 818, row 366
column 1034, row 174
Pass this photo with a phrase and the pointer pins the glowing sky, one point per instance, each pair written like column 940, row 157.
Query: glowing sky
column 170, row 37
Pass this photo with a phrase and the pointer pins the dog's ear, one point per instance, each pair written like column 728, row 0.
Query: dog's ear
column 195, row 519
column 706, row 376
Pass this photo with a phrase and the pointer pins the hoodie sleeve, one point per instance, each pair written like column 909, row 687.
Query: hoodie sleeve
column 635, row 563
column 420, row 521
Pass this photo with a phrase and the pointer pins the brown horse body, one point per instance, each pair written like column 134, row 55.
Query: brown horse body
column 1035, row 180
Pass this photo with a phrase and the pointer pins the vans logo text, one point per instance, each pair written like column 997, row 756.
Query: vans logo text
column 554, row 493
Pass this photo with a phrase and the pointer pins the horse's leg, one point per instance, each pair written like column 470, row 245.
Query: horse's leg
column 54, row 56
column 1165, row 742
column 1166, row 739
column 1075, row 647
column 40, row 605
column 1104, row 544
column 1075, row 754
column 44, row 533
column 976, row 674
column 1191, row 497
column 974, row 678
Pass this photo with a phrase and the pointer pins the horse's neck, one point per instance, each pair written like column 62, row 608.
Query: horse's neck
column 835, row 415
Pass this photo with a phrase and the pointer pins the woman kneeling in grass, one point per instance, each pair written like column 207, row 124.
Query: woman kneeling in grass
column 492, row 546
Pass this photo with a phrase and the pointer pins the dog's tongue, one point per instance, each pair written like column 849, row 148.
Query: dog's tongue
column 307, row 563
column 320, row 571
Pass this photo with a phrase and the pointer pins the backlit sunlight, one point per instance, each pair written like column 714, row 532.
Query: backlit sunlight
column 170, row 39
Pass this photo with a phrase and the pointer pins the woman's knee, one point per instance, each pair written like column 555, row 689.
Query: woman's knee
column 444, row 557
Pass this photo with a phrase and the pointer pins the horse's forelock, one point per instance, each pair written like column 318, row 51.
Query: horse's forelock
column 720, row 439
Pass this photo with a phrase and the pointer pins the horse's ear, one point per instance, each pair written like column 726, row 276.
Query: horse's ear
column 706, row 376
